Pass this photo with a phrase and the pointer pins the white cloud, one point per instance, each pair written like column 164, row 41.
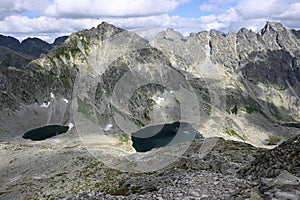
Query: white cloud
column 208, row 7
column 13, row 7
column 222, row 1
column 6, row 8
column 62, row 17
column 22, row 24
column 48, row 27
column 231, row 15
column 110, row 8
column 215, row 5
column 258, row 9
column 292, row 13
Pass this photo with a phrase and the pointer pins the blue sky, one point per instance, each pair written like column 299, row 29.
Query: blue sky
column 191, row 9
column 48, row 19
column 30, row 14
column 188, row 10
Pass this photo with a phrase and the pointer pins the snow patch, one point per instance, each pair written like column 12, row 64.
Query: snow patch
column 172, row 92
column 52, row 95
column 66, row 100
column 15, row 179
column 108, row 127
column 158, row 100
column 292, row 89
column 45, row 105
column 40, row 177
column 71, row 125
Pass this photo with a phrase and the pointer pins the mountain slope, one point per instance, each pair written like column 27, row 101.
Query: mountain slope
column 244, row 86
column 10, row 58
column 257, row 72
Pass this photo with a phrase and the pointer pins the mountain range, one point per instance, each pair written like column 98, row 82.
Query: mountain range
column 14, row 53
column 240, row 91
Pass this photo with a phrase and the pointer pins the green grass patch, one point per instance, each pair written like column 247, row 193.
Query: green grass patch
column 250, row 109
column 124, row 139
column 232, row 132
column 252, row 106
column 233, row 110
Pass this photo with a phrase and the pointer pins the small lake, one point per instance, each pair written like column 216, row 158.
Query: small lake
column 163, row 135
column 45, row 132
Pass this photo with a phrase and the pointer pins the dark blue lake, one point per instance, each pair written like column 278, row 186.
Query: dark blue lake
column 45, row 132
column 163, row 135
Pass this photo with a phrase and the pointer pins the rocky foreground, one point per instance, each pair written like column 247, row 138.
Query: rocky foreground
column 230, row 171
column 227, row 170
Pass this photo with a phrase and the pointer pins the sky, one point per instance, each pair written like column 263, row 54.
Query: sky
column 48, row 19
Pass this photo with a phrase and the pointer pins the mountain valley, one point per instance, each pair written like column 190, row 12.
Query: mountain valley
column 236, row 93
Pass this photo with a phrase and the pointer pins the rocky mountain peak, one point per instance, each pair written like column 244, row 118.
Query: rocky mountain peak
column 272, row 26
column 9, row 42
column 170, row 34
column 245, row 31
column 108, row 29
column 83, row 40
column 103, row 30
column 58, row 41
column 277, row 37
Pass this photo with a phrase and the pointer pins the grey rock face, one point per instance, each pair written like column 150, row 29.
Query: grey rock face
column 247, row 66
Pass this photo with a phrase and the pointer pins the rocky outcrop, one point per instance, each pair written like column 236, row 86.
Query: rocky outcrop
column 276, row 171
column 272, row 163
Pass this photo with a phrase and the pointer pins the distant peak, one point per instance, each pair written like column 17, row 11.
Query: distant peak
column 245, row 30
column 170, row 34
column 274, row 26
column 106, row 25
column 33, row 39
column 104, row 30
